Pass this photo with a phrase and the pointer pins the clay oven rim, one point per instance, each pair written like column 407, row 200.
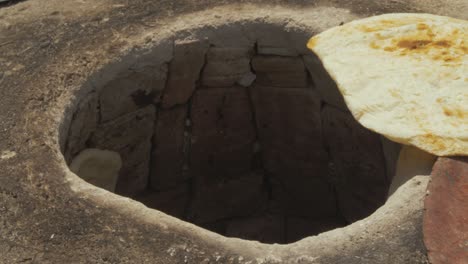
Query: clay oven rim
column 160, row 43
column 157, row 44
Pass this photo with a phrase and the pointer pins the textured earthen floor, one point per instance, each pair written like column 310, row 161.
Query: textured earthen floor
column 52, row 55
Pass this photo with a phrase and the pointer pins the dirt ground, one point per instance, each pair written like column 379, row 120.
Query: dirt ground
column 48, row 51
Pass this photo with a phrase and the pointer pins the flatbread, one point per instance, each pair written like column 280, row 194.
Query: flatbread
column 412, row 162
column 404, row 76
column 98, row 167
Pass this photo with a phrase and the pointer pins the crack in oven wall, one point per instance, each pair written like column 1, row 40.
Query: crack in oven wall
column 246, row 137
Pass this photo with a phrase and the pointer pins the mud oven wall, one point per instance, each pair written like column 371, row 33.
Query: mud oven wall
column 251, row 141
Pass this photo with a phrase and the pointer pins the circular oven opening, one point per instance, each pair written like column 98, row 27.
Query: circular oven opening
column 244, row 136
